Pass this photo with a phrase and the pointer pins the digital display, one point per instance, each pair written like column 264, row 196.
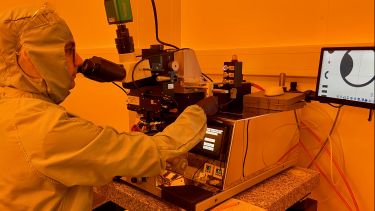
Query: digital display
column 347, row 76
column 212, row 143
column 209, row 140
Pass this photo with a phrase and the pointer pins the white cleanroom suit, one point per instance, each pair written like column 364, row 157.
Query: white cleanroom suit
column 50, row 159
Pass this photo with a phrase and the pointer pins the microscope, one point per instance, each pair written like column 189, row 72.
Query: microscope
column 236, row 153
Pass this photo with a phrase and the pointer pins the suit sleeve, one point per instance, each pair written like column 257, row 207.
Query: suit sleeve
column 78, row 152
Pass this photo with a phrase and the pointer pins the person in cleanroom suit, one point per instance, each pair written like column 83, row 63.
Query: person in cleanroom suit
column 49, row 158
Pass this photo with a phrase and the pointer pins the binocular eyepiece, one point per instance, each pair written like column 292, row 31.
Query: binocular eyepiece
column 102, row 70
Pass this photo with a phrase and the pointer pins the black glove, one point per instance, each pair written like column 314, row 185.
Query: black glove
column 210, row 105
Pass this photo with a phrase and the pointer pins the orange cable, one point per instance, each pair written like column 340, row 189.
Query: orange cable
column 289, row 151
column 325, row 176
column 347, row 185
column 257, row 86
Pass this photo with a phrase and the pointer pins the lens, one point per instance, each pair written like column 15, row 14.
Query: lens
column 102, row 70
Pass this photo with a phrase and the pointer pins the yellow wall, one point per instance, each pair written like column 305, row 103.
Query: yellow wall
column 273, row 36
column 248, row 24
column 88, row 20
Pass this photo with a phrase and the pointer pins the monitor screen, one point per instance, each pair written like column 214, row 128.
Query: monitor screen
column 346, row 76
column 213, row 142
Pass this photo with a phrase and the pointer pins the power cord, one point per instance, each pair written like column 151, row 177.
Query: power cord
column 207, row 77
column 157, row 27
column 327, row 139
column 335, row 106
column 120, row 88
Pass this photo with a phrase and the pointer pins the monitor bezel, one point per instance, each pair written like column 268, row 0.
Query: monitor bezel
column 336, row 100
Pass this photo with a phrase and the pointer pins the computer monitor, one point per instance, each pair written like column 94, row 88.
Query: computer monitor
column 347, row 76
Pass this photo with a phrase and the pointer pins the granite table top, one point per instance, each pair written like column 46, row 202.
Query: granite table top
column 275, row 193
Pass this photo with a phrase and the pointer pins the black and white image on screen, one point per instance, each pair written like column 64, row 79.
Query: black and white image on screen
column 347, row 75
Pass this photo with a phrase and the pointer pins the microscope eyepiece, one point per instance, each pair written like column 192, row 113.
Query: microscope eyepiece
column 102, row 70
